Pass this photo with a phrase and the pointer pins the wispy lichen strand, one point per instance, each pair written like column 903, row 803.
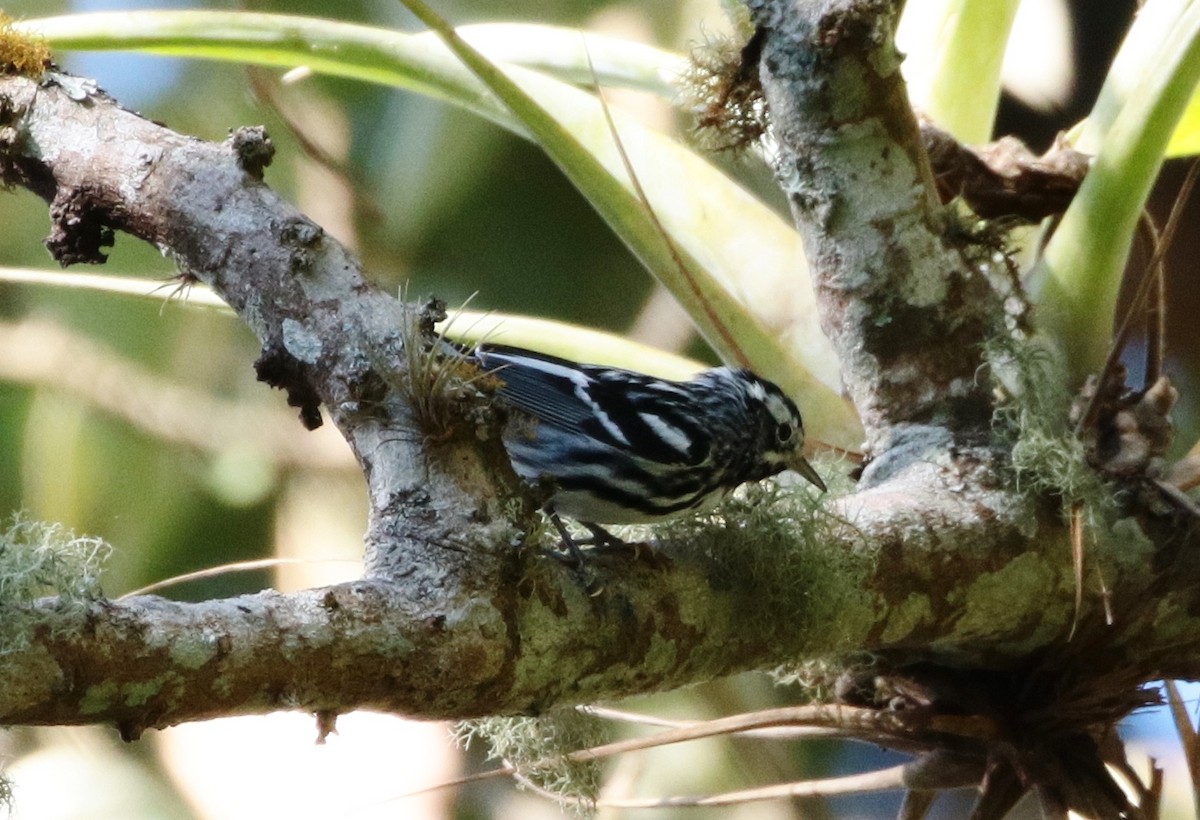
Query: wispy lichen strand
column 38, row 559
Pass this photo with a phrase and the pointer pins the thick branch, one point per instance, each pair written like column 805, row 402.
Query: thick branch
column 329, row 336
column 732, row 599
column 906, row 311
column 146, row 662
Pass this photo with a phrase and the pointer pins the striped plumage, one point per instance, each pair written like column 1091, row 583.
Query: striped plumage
column 623, row 447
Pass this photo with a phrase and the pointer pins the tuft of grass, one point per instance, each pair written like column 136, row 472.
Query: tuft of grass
column 722, row 89
column 20, row 53
column 818, row 679
column 539, row 748
column 440, row 377
column 1033, row 418
column 39, row 558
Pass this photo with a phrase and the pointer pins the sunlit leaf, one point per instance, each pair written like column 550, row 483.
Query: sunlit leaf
column 954, row 50
column 1143, row 100
column 1185, row 142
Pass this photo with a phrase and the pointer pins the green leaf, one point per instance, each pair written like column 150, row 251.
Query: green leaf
column 419, row 62
column 1142, row 101
column 733, row 329
column 470, row 326
column 1185, row 142
column 954, row 50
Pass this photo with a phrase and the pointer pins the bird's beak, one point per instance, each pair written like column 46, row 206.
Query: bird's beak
column 800, row 465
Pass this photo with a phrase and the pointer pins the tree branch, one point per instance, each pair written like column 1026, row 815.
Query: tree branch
column 907, row 310
column 936, row 557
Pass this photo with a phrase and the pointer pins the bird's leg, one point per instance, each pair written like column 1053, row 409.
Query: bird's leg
column 603, row 544
column 607, row 545
column 568, row 542
column 574, row 557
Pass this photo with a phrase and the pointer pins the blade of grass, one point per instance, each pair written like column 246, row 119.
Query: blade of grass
column 1185, row 142
column 472, row 326
column 1188, row 738
column 416, row 61
column 624, row 210
column 1079, row 274
column 555, row 51
column 954, row 52
column 695, row 288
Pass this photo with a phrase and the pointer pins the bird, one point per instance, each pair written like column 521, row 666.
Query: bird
column 622, row 447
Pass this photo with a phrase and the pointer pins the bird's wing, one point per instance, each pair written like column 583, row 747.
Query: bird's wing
column 545, row 387
column 644, row 417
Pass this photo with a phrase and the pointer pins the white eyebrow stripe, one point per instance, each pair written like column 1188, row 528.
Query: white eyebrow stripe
column 671, row 435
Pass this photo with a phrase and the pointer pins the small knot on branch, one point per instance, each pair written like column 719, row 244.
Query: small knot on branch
column 79, row 230
column 279, row 368
column 253, row 148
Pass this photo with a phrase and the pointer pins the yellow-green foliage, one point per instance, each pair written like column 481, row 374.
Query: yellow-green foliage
column 20, row 54
column 539, row 749
column 38, row 559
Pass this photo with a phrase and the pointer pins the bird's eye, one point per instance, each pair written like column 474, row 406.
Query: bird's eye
column 783, row 432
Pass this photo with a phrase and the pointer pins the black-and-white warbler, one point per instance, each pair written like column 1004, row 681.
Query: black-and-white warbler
column 622, row 447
